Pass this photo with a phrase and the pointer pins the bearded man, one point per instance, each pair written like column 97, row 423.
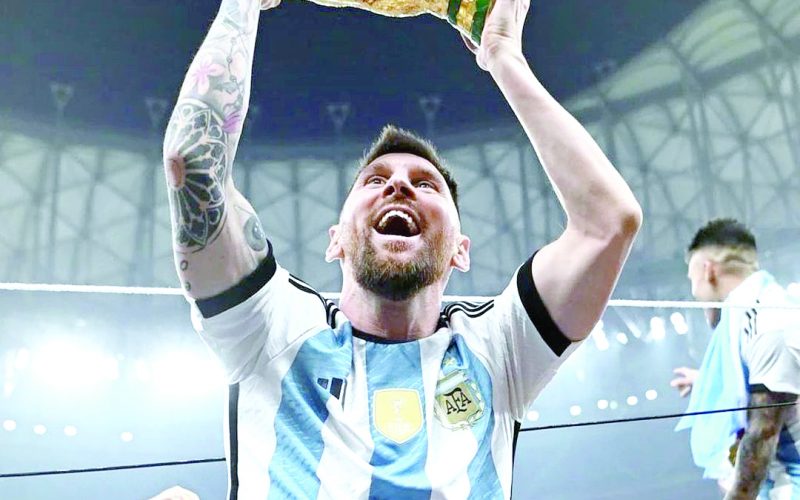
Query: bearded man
column 387, row 394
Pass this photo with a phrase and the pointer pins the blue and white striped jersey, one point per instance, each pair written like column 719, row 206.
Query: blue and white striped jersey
column 769, row 346
column 318, row 409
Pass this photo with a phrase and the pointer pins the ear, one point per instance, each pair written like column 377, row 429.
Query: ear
column 710, row 272
column 334, row 250
column 460, row 260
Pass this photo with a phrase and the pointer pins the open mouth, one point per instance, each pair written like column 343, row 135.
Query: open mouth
column 397, row 223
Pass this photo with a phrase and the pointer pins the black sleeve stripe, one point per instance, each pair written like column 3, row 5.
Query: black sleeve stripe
column 233, row 444
column 759, row 388
column 329, row 306
column 242, row 291
column 537, row 312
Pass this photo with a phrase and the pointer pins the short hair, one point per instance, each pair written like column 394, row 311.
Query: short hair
column 397, row 140
column 734, row 244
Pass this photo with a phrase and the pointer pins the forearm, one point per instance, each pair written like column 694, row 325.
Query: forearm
column 209, row 217
column 755, row 452
column 220, row 74
column 595, row 197
column 759, row 442
column 204, row 129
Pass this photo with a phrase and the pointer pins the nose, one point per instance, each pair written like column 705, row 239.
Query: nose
column 398, row 186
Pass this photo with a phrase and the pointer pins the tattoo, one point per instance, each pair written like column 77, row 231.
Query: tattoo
column 204, row 129
column 254, row 234
column 760, row 440
column 187, row 286
column 184, row 265
column 197, row 176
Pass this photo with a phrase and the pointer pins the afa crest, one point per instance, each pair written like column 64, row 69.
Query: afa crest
column 397, row 413
column 459, row 402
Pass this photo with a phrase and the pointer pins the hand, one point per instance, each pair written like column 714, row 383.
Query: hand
column 502, row 31
column 176, row 493
column 684, row 380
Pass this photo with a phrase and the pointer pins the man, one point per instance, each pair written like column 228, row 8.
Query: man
column 387, row 395
column 753, row 359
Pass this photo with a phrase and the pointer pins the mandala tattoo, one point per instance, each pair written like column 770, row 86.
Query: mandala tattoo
column 196, row 187
column 255, row 234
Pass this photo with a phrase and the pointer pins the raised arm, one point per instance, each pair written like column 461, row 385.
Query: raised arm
column 218, row 239
column 575, row 274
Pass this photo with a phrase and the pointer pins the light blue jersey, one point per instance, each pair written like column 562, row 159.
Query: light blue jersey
column 318, row 409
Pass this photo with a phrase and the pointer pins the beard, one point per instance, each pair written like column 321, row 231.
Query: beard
column 392, row 279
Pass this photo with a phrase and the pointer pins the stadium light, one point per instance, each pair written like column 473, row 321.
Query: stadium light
column 68, row 364
column 657, row 328
column 599, row 337
column 679, row 323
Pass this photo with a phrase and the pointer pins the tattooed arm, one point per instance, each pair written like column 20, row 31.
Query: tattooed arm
column 218, row 239
column 759, row 442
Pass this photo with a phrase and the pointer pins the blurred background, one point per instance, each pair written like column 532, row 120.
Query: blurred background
column 697, row 103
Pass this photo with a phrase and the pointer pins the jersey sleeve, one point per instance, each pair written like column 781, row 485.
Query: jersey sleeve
column 258, row 317
column 772, row 354
column 522, row 345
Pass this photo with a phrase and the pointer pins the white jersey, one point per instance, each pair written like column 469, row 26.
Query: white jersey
column 318, row 409
column 769, row 345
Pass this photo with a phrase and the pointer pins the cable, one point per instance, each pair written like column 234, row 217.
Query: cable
column 542, row 428
column 111, row 468
column 654, row 417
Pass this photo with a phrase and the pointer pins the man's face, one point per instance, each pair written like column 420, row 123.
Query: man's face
column 399, row 230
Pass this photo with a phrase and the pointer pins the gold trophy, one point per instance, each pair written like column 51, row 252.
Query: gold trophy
column 468, row 16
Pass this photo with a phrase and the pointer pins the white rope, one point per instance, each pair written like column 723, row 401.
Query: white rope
column 141, row 290
column 124, row 290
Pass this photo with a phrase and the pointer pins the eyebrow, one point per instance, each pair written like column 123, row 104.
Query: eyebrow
column 416, row 168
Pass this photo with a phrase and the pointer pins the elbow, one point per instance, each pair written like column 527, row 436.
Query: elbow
column 175, row 170
column 624, row 222
column 630, row 219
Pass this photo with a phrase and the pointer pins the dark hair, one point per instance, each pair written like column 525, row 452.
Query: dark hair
column 397, row 140
column 728, row 233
